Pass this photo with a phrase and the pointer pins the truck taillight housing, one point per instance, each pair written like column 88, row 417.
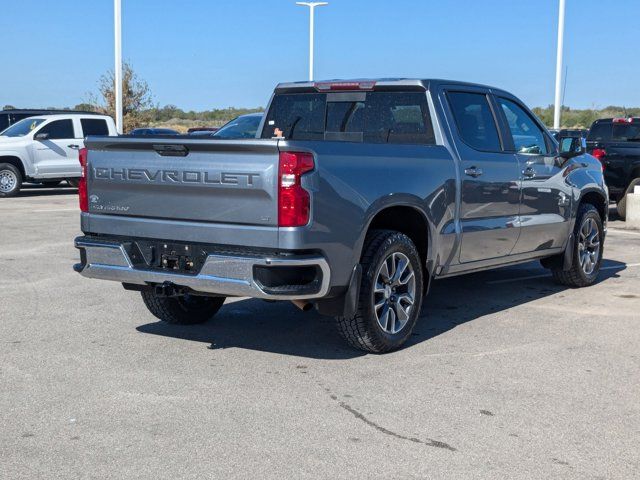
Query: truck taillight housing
column 294, row 202
column 82, row 184
column 599, row 153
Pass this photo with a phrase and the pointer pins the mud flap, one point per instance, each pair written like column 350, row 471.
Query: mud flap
column 568, row 253
column 346, row 304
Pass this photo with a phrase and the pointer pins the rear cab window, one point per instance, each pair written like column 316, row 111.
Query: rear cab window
column 625, row 132
column 368, row 117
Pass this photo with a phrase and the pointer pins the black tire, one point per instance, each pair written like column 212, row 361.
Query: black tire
column 364, row 331
column 73, row 182
column 51, row 184
column 580, row 276
column 184, row 310
column 621, row 206
column 10, row 180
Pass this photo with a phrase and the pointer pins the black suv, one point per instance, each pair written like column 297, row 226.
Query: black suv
column 13, row 115
column 616, row 143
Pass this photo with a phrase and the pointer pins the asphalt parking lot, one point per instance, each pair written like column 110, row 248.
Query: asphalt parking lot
column 506, row 376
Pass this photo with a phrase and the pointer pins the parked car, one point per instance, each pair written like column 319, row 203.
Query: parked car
column 202, row 130
column 153, row 131
column 13, row 115
column 569, row 132
column 244, row 126
column 44, row 149
column 202, row 133
column 354, row 198
column 616, row 143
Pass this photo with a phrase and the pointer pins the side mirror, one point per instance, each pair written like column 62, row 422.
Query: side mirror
column 572, row 146
column 41, row 136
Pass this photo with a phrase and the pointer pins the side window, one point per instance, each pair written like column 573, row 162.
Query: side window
column 398, row 117
column 59, row 129
column 94, row 126
column 527, row 136
column 475, row 121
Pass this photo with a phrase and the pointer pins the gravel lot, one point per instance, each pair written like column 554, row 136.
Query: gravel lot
column 506, row 376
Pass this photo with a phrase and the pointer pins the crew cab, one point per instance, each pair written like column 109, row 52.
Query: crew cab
column 352, row 199
column 616, row 143
column 44, row 148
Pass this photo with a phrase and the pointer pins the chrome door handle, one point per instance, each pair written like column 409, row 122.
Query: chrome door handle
column 473, row 172
column 529, row 172
column 74, row 146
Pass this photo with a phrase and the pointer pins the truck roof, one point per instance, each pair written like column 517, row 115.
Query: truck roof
column 393, row 82
column 67, row 115
column 46, row 111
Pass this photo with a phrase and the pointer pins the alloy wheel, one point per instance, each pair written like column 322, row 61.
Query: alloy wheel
column 8, row 181
column 589, row 246
column 395, row 292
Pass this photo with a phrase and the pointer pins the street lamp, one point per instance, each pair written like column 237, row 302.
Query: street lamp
column 117, row 21
column 312, row 6
column 558, row 100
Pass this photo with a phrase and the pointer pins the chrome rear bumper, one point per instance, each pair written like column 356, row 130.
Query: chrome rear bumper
column 228, row 275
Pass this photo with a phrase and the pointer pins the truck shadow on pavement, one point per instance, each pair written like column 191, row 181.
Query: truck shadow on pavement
column 41, row 191
column 279, row 327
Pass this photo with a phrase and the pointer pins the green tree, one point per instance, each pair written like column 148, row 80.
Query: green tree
column 136, row 98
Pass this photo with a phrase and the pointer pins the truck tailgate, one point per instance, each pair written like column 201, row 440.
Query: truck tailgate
column 216, row 181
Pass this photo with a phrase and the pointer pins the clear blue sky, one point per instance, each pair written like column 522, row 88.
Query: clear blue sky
column 201, row 54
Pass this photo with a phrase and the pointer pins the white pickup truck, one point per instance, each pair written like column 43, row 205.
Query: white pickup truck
column 44, row 149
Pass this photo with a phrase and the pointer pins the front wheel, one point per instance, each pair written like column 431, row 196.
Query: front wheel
column 587, row 250
column 390, row 294
column 10, row 180
column 73, row 182
column 182, row 310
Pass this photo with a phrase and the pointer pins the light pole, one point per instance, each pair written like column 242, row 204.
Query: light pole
column 558, row 100
column 312, row 6
column 117, row 21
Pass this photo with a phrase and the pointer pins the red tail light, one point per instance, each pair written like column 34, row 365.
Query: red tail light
column 82, row 184
column 599, row 153
column 293, row 200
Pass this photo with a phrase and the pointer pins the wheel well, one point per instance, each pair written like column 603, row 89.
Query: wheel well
column 407, row 220
column 16, row 162
column 598, row 201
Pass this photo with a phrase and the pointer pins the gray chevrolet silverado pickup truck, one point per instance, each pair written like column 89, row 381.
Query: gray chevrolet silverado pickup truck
column 352, row 199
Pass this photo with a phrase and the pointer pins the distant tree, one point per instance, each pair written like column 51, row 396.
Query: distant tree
column 136, row 98
column 88, row 107
column 8, row 107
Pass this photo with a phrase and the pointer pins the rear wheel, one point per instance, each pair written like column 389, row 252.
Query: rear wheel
column 182, row 310
column 74, row 182
column 390, row 294
column 622, row 203
column 587, row 250
column 10, row 180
